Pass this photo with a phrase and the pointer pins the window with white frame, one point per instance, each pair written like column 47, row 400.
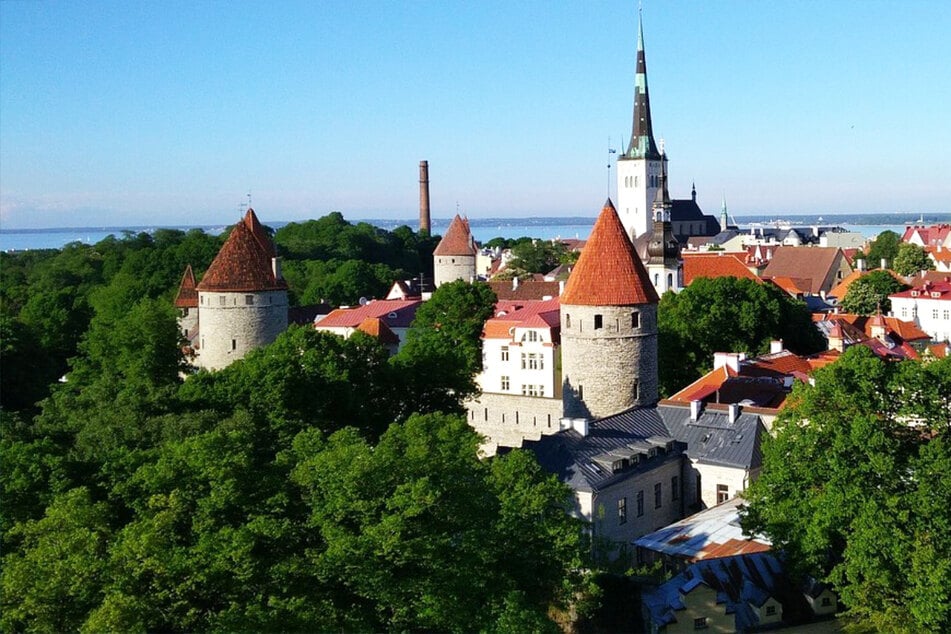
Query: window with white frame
column 505, row 353
column 531, row 390
column 505, row 383
column 532, row 361
column 622, row 511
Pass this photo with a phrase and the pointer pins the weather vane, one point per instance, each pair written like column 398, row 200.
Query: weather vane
column 611, row 151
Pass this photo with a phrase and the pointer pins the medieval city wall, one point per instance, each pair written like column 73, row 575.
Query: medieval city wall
column 508, row 419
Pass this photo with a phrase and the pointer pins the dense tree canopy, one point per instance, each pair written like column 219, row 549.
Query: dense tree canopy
column 911, row 259
column 726, row 314
column 869, row 293
column 855, row 489
column 883, row 247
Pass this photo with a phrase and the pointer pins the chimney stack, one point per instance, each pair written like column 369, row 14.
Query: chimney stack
column 424, row 224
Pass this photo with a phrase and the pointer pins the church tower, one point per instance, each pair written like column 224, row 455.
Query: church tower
column 455, row 256
column 663, row 250
column 608, row 326
column 242, row 298
column 639, row 167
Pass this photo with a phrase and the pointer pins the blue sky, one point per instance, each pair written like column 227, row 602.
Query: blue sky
column 129, row 113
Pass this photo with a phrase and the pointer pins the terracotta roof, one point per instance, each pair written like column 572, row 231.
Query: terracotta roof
column 244, row 262
column 375, row 327
column 812, row 265
column 187, row 293
column 928, row 290
column 939, row 254
column 396, row 313
column 458, row 239
column 527, row 314
column 719, row 264
column 929, row 236
column 608, row 272
column 842, row 287
column 790, row 285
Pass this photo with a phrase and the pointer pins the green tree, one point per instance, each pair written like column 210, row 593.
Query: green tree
column 869, row 293
column 537, row 256
column 726, row 314
column 911, row 259
column 853, row 494
column 883, row 247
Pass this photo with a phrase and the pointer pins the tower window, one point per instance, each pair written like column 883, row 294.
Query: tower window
column 221, row 300
column 580, row 391
column 635, row 319
column 249, row 300
column 598, row 322
column 234, row 344
column 670, row 280
column 567, row 321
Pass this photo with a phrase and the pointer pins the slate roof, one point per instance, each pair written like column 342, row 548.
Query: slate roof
column 608, row 272
column 712, row 533
column 395, row 313
column 187, row 293
column 571, row 456
column 244, row 262
column 808, row 266
column 458, row 239
column 712, row 439
column 713, row 265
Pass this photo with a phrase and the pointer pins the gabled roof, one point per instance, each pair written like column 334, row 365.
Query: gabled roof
column 712, row 438
column 395, row 313
column 608, row 272
column 187, row 293
column 458, row 239
column 244, row 262
column 525, row 289
column 928, row 290
column 377, row 328
column 527, row 314
column 712, row 265
column 840, row 289
column 809, row 266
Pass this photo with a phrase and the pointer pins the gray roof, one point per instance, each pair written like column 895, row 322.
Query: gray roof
column 585, row 462
column 712, row 439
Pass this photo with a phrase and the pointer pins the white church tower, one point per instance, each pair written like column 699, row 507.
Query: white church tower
column 639, row 167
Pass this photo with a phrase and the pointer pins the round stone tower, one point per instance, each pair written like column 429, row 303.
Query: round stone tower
column 242, row 298
column 608, row 326
column 455, row 256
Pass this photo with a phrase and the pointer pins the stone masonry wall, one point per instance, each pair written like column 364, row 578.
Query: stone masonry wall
column 232, row 326
column 448, row 268
column 508, row 419
column 608, row 369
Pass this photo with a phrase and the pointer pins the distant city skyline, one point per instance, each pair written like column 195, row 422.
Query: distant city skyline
column 117, row 114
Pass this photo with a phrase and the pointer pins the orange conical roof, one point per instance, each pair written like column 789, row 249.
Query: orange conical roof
column 458, row 239
column 187, row 293
column 244, row 262
column 608, row 273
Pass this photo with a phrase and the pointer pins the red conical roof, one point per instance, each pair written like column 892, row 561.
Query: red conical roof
column 608, row 273
column 187, row 293
column 244, row 262
column 458, row 239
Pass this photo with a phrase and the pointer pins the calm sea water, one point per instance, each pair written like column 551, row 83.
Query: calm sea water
column 482, row 229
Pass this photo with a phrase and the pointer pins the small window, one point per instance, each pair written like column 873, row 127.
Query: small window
column 635, row 319
column 675, row 488
column 505, row 384
column 723, row 493
column 505, row 353
column 598, row 322
column 221, row 300
column 249, row 300
column 770, row 610
column 658, row 495
column 202, row 300
column 826, row 602
column 580, row 391
column 640, row 504
column 700, row 623
column 622, row 511
column 234, row 344
column 567, row 321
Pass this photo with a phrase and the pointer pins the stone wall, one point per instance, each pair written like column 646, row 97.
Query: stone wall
column 610, row 368
column 508, row 419
column 448, row 268
column 231, row 324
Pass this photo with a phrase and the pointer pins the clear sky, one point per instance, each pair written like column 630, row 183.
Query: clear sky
column 132, row 113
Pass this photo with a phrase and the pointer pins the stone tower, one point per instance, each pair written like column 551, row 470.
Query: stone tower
column 187, row 304
column 455, row 256
column 639, row 167
column 242, row 298
column 608, row 326
column 663, row 250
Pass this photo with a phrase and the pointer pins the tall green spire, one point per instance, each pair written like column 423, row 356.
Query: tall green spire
column 642, row 144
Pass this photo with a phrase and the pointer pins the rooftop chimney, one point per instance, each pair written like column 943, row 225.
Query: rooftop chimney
column 775, row 346
column 733, row 412
column 424, row 224
column 695, row 407
column 276, row 268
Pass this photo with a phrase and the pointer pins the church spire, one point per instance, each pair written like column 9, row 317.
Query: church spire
column 642, row 136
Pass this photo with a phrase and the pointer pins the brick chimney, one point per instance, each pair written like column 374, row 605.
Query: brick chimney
column 424, row 218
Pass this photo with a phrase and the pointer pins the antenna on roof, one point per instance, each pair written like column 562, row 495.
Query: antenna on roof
column 249, row 198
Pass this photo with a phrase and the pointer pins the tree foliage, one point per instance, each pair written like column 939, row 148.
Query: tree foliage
column 883, row 247
column 854, row 488
column 726, row 314
column 537, row 256
column 869, row 293
column 911, row 259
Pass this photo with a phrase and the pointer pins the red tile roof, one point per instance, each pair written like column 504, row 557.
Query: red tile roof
column 458, row 239
column 395, row 313
column 187, row 293
column 375, row 327
column 842, row 287
column 809, row 266
column 608, row 272
column 928, row 290
column 525, row 290
column 244, row 262
column 527, row 314
column 719, row 264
